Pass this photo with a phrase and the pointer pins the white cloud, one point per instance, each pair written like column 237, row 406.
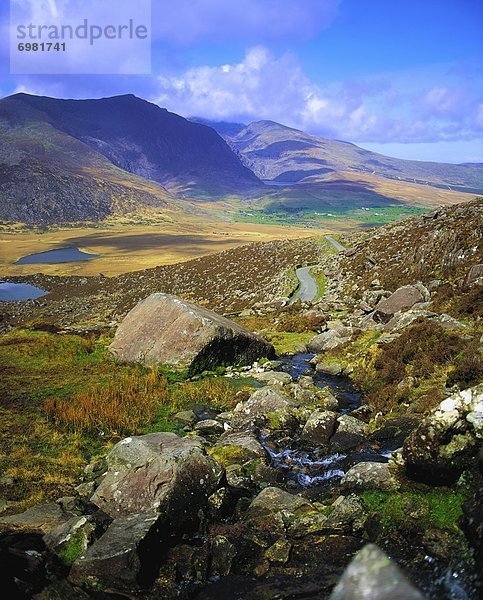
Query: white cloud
column 262, row 86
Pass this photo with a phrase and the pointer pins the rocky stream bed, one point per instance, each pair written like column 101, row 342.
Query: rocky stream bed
column 267, row 501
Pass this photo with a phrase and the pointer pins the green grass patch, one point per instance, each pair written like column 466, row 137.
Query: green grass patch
column 288, row 342
column 436, row 508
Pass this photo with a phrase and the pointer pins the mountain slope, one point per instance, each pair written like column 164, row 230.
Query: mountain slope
column 76, row 160
column 284, row 155
column 148, row 141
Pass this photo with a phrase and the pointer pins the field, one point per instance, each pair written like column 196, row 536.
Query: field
column 129, row 246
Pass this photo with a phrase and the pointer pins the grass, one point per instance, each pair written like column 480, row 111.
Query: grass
column 288, row 342
column 326, row 216
column 435, row 508
column 63, row 400
column 321, row 281
column 126, row 246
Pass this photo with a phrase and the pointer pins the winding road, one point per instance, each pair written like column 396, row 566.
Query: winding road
column 337, row 245
column 308, row 288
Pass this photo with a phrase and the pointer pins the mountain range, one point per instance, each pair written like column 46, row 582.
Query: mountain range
column 77, row 160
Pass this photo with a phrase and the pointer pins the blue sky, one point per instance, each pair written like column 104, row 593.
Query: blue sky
column 402, row 77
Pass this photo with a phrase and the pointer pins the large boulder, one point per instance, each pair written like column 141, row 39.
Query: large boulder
column 163, row 329
column 158, row 472
column 403, row 298
column 447, row 440
column 372, row 575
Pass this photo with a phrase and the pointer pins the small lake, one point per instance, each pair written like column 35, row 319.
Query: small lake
column 12, row 292
column 60, row 255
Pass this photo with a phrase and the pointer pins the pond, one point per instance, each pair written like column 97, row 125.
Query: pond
column 12, row 292
column 60, row 255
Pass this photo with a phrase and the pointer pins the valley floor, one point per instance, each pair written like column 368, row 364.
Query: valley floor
column 125, row 247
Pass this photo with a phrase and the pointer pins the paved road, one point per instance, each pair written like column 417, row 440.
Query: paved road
column 308, row 289
column 339, row 247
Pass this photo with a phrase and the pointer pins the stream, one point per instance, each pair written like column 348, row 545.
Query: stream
column 317, row 469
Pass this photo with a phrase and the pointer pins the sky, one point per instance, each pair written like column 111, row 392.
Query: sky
column 401, row 77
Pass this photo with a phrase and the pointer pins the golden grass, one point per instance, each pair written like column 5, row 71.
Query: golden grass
column 127, row 246
column 123, row 405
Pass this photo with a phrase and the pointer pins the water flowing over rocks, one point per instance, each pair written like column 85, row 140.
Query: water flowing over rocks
column 163, row 329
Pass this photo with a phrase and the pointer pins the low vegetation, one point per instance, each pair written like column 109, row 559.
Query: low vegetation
column 413, row 371
column 64, row 400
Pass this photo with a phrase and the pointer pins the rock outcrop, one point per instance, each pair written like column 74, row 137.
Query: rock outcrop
column 447, row 440
column 163, row 329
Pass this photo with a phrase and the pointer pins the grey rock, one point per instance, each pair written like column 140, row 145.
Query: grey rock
column 474, row 274
column 372, row 575
column 209, row 427
column 326, row 341
column 273, row 377
column 249, row 414
column 163, row 329
column 42, row 518
column 447, row 440
column 370, row 476
column 274, row 500
column 185, row 417
column 157, row 472
column 237, row 447
column 329, row 368
column 403, row 298
column 116, row 560
column 320, row 427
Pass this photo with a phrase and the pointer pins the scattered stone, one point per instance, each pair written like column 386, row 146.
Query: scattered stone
column 274, row 500
column 237, row 448
column 326, row 341
column 209, row 427
column 279, row 552
column 222, row 554
column 42, row 518
column 185, row 417
column 124, row 558
column 350, row 433
column 253, row 412
column 474, row 275
column 329, row 368
column 163, row 329
column 369, row 476
column 372, row 575
column 319, row 427
column 71, row 539
column 273, row 377
column 403, row 298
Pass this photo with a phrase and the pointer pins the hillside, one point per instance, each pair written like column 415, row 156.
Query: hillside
column 72, row 160
column 284, row 155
